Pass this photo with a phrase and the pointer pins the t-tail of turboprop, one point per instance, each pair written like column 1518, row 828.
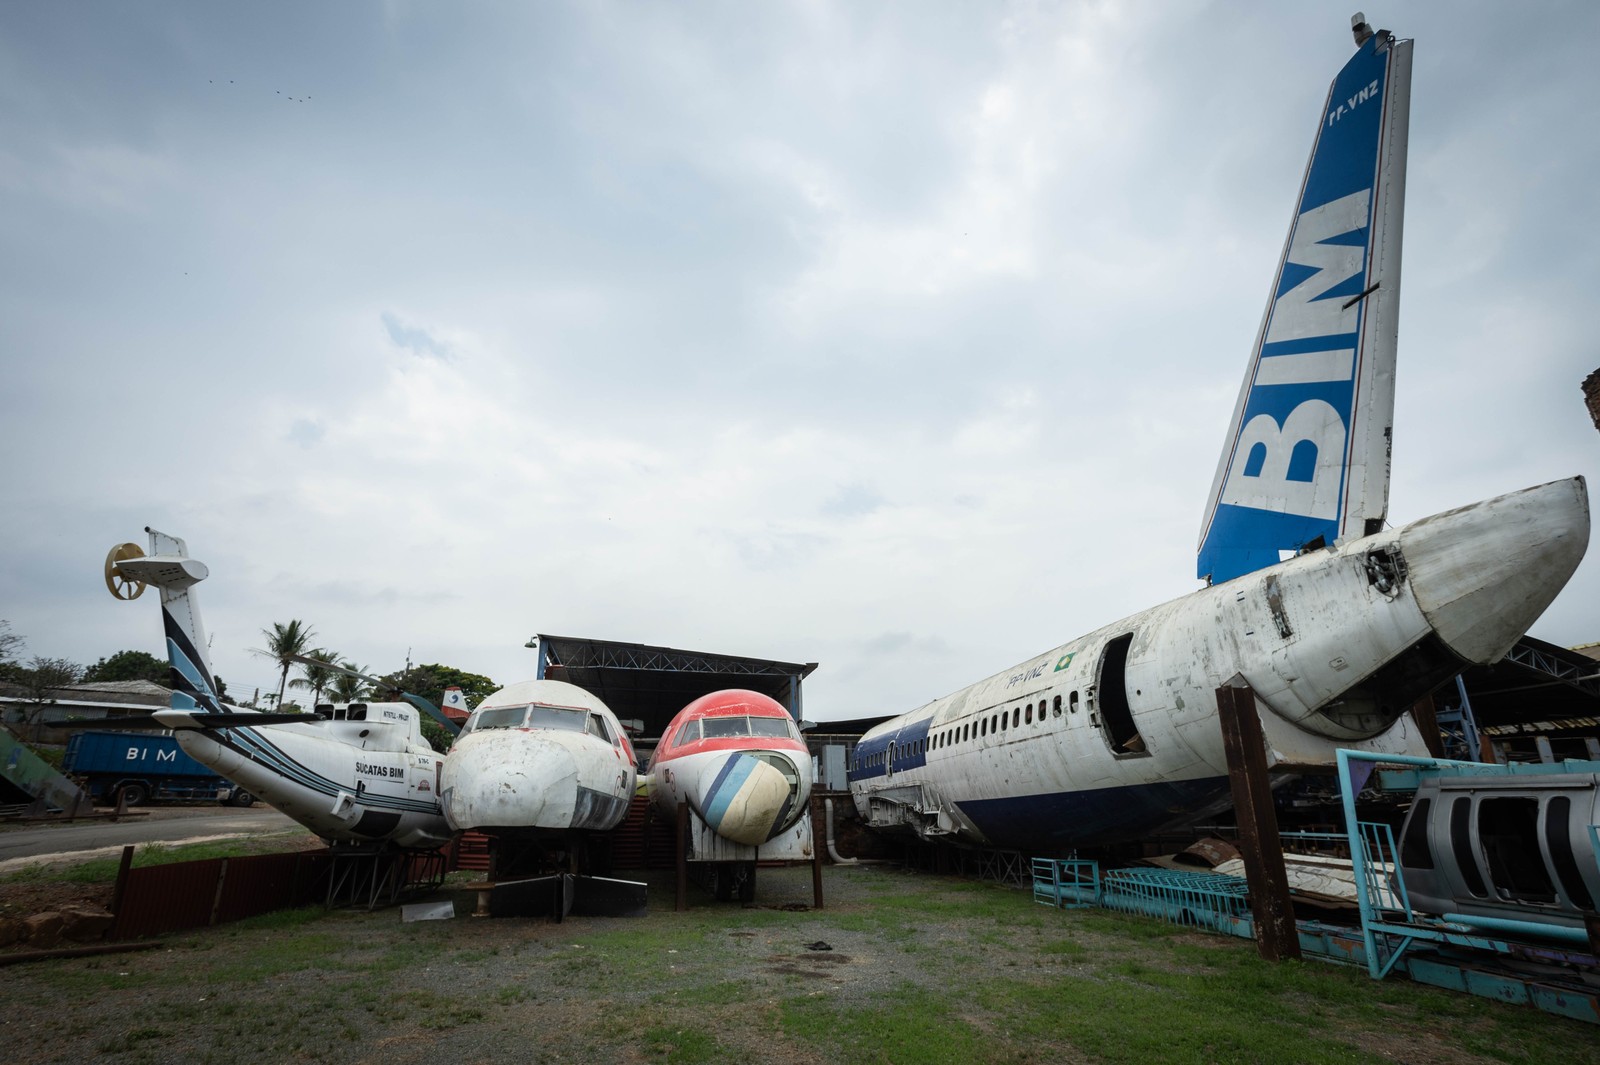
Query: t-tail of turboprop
column 169, row 567
column 1306, row 461
column 362, row 778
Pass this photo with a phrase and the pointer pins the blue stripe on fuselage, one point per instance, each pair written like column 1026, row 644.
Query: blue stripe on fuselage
column 909, row 751
column 1079, row 818
column 735, row 771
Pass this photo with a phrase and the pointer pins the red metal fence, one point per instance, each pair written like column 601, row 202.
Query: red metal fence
column 171, row 898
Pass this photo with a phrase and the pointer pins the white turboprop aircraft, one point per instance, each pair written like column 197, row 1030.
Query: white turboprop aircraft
column 1116, row 734
column 363, row 776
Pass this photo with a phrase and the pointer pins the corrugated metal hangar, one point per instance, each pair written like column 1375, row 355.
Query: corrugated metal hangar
column 650, row 684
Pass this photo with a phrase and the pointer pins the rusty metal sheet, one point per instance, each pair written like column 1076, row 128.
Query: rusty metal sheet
column 262, row 883
column 167, row 898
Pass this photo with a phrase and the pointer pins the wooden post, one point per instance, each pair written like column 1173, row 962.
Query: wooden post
column 683, row 857
column 1259, row 843
column 120, row 892
column 122, row 878
column 1426, row 715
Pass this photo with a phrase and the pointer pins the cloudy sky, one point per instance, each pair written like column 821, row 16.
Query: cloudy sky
column 896, row 337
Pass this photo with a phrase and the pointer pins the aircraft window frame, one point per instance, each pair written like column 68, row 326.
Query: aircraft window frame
column 596, row 727
column 1016, row 716
column 1027, row 715
column 502, row 717
column 1056, row 706
column 1558, row 841
column 784, row 726
column 1461, row 846
column 557, row 718
column 1072, row 702
column 1414, row 850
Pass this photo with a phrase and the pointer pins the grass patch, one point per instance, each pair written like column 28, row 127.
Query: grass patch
column 926, row 970
column 104, row 870
column 681, row 1046
column 914, row 1027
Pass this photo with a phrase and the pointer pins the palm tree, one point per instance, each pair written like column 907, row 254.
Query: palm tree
column 284, row 642
column 316, row 675
column 349, row 689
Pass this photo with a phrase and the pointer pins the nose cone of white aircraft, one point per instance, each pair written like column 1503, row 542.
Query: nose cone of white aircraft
column 1483, row 574
column 507, row 779
column 752, row 797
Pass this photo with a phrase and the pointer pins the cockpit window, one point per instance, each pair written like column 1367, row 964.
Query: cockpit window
column 500, row 717
column 717, row 727
column 558, row 717
column 597, row 728
column 772, row 726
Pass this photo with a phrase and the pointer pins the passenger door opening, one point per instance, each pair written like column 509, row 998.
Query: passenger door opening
column 1116, row 717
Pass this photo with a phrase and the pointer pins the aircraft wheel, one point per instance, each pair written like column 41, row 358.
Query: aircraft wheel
column 133, row 794
column 242, row 798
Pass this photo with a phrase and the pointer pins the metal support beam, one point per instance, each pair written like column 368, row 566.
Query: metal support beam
column 1276, row 935
column 816, row 861
column 683, row 857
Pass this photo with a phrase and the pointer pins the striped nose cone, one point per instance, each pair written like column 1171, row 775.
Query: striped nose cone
column 751, row 798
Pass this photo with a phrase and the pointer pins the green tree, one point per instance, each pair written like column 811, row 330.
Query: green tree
column 431, row 680
column 348, row 689
column 435, row 734
column 129, row 665
column 283, row 643
column 315, row 676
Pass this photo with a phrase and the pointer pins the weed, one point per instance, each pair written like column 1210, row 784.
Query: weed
column 681, row 1046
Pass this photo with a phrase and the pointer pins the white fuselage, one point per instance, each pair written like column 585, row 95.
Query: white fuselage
column 354, row 781
column 1115, row 734
column 539, row 757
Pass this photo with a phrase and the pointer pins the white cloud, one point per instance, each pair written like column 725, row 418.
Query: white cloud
column 902, row 341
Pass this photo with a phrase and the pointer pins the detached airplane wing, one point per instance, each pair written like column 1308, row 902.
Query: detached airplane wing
column 1306, row 460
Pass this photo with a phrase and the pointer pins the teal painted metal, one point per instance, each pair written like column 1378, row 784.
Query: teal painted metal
column 1066, row 883
column 1410, row 779
column 1196, row 899
column 37, row 777
column 1560, row 933
column 1376, row 933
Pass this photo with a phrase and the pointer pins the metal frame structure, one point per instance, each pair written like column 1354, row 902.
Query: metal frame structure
column 1389, row 930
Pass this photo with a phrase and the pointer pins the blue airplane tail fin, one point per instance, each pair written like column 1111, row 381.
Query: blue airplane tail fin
column 1306, row 460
